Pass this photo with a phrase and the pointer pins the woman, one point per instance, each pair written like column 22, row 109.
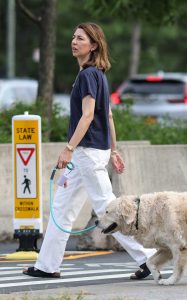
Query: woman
column 91, row 143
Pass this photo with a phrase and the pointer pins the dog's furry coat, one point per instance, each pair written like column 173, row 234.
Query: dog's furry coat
column 160, row 222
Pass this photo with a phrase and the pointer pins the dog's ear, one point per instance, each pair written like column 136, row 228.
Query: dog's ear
column 127, row 211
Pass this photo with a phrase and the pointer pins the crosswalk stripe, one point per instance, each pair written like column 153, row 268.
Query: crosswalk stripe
column 10, row 272
column 20, row 270
column 31, row 264
column 25, row 266
column 11, row 278
column 10, row 268
column 66, row 280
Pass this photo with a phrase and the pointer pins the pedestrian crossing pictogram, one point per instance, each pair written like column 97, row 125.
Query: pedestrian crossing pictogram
column 26, row 185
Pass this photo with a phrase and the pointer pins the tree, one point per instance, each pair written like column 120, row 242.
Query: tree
column 155, row 12
column 135, row 49
column 160, row 12
column 163, row 47
column 46, row 23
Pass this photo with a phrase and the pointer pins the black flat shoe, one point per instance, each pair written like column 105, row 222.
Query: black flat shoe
column 31, row 271
column 142, row 273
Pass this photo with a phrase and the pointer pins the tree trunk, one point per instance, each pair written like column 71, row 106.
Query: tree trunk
column 135, row 49
column 47, row 59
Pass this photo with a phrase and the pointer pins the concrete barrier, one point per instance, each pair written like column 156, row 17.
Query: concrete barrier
column 149, row 168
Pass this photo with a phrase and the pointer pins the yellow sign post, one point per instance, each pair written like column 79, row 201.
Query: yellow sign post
column 28, row 223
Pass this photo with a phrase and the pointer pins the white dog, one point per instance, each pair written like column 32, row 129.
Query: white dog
column 156, row 220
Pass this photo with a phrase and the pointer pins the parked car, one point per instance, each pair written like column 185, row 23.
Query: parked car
column 25, row 90
column 155, row 95
column 63, row 103
column 12, row 90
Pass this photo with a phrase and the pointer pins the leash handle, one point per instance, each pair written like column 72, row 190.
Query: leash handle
column 53, row 172
column 70, row 166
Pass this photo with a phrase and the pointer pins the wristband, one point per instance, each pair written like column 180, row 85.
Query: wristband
column 114, row 152
column 70, row 147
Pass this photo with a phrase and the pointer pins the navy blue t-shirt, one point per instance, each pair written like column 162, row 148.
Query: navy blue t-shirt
column 91, row 81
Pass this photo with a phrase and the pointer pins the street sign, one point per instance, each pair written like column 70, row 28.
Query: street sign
column 26, row 136
column 26, row 185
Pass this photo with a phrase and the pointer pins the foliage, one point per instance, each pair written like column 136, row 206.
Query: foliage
column 155, row 12
column 59, row 125
column 118, row 41
column 158, row 53
column 163, row 47
column 128, row 127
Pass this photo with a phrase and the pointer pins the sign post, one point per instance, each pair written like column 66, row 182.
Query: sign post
column 26, row 142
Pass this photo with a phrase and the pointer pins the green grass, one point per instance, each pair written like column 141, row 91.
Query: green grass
column 80, row 296
column 30, row 297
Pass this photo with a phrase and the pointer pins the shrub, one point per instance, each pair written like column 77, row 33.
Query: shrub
column 59, row 124
column 128, row 127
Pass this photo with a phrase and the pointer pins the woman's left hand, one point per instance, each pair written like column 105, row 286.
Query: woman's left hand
column 117, row 162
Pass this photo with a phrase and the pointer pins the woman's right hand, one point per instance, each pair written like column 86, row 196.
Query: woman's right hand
column 64, row 158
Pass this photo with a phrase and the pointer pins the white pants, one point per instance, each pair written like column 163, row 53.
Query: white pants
column 89, row 176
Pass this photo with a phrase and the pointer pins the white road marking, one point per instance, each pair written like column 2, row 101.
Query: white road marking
column 52, row 281
column 31, row 264
column 23, row 277
column 93, row 265
column 10, row 268
column 112, row 264
column 21, row 271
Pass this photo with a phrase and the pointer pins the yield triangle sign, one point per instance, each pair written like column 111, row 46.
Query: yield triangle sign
column 25, row 154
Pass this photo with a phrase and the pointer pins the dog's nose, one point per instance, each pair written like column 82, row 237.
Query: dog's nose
column 96, row 222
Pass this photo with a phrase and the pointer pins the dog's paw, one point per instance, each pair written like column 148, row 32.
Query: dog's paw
column 166, row 281
column 155, row 272
column 157, row 277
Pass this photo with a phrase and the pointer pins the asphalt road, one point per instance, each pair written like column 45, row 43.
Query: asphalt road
column 77, row 270
column 94, row 275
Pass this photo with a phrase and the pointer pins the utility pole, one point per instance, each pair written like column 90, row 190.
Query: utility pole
column 10, row 43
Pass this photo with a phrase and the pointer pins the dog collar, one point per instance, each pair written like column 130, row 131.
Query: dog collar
column 137, row 212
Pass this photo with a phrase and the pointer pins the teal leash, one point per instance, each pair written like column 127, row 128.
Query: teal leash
column 51, row 207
